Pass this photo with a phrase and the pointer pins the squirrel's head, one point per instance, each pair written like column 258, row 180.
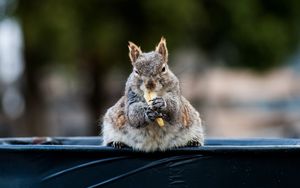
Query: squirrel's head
column 151, row 68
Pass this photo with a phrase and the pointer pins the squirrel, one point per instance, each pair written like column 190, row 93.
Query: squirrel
column 131, row 122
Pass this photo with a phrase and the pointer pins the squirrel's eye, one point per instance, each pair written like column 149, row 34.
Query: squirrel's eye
column 163, row 69
column 137, row 72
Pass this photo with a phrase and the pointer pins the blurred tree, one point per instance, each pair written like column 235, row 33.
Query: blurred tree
column 92, row 35
column 258, row 34
column 252, row 33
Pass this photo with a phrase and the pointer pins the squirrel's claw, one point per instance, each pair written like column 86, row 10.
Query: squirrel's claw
column 158, row 104
column 193, row 143
column 117, row 145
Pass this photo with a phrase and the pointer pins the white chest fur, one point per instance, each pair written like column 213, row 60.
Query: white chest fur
column 152, row 137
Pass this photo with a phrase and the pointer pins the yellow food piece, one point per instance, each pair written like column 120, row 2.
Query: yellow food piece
column 160, row 122
column 149, row 95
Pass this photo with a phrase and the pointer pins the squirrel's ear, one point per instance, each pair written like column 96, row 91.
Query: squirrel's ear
column 162, row 49
column 134, row 51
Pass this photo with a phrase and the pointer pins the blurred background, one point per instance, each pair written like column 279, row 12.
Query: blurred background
column 64, row 62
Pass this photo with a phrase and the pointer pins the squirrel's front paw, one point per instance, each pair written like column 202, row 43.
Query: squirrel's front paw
column 158, row 104
column 151, row 115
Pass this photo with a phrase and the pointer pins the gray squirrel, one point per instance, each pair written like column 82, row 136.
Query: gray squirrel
column 131, row 122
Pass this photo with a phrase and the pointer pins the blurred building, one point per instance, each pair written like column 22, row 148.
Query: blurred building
column 242, row 103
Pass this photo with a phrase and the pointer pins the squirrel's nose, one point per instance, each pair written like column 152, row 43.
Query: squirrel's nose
column 150, row 85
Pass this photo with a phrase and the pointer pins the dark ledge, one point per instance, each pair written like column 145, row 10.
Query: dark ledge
column 82, row 162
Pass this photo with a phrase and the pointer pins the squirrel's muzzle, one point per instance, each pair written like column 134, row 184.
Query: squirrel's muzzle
column 150, row 84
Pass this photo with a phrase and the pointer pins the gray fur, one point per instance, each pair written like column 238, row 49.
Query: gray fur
column 139, row 129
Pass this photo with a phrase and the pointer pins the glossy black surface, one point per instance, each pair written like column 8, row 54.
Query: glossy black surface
column 82, row 162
